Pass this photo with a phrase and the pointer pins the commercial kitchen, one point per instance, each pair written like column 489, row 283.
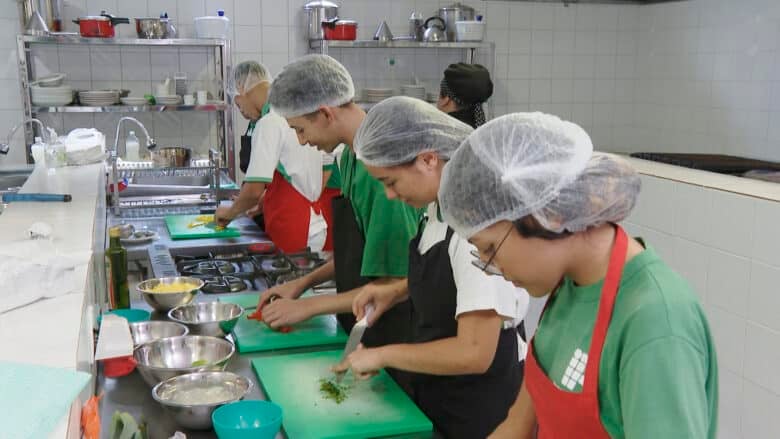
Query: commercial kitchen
column 126, row 132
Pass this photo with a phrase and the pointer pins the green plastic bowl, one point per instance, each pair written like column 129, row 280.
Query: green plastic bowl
column 132, row 315
column 247, row 420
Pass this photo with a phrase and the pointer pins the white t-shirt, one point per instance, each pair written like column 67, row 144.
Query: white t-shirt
column 476, row 290
column 275, row 143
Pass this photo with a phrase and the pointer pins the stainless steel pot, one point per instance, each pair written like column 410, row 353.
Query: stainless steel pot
column 452, row 13
column 316, row 12
column 171, row 157
column 154, row 28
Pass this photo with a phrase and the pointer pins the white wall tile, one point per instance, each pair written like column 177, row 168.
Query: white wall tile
column 693, row 213
column 759, row 414
column 135, row 64
column 518, row 91
column 275, row 13
column 651, row 207
column 542, row 16
column 730, row 212
column 582, row 91
column 542, row 42
column 519, row 41
column 764, row 300
column 541, row 66
column 691, row 260
column 767, row 240
column 728, row 282
column 519, row 67
column 561, row 91
column 275, row 39
column 762, row 357
column 540, row 91
column 729, row 332
column 248, row 12
column 563, row 42
column 730, row 402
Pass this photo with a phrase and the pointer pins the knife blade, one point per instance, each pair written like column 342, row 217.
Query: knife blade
column 355, row 335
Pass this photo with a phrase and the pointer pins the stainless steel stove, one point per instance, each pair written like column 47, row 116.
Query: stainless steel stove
column 243, row 271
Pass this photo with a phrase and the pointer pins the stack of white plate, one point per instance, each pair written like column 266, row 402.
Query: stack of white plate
column 134, row 101
column 51, row 96
column 377, row 94
column 414, row 91
column 99, row 98
column 168, row 100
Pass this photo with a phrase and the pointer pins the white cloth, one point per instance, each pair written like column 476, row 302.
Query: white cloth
column 33, row 269
column 476, row 290
column 274, row 143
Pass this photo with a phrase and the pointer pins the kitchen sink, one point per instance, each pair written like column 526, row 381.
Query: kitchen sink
column 173, row 180
column 11, row 181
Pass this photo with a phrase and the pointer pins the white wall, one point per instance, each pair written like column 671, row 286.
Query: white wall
column 708, row 78
column 728, row 247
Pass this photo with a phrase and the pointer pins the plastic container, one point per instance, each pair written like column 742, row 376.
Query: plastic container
column 469, row 30
column 247, row 420
column 212, row 27
column 132, row 148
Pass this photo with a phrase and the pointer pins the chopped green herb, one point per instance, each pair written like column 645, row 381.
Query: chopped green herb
column 333, row 390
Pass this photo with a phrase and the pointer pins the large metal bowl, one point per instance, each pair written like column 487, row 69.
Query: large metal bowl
column 144, row 332
column 171, row 157
column 166, row 301
column 196, row 415
column 215, row 319
column 166, row 358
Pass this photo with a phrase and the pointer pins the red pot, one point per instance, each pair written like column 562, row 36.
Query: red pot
column 340, row 30
column 99, row 26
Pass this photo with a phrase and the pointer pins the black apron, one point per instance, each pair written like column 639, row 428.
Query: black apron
column 463, row 406
column 348, row 244
column 246, row 147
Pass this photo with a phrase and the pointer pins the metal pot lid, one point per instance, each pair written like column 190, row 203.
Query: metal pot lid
column 320, row 4
column 95, row 18
column 457, row 7
column 346, row 22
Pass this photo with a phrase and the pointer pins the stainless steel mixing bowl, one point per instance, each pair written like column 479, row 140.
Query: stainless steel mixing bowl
column 166, row 358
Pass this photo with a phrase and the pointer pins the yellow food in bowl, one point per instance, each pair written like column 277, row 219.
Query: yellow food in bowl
column 176, row 287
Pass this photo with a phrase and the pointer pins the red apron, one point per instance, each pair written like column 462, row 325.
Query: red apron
column 563, row 414
column 287, row 214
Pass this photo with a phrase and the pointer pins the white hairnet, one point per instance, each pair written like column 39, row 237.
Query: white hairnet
column 397, row 129
column 308, row 83
column 246, row 76
column 534, row 164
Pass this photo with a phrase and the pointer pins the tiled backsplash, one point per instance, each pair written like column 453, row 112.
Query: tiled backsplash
column 728, row 247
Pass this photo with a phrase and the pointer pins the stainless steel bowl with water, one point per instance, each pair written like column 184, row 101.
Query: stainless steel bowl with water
column 166, row 301
column 144, row 332
column 215, row 319
column 193, row 397
column 166, row 358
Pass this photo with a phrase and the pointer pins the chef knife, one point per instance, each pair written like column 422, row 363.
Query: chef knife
column 355, row 335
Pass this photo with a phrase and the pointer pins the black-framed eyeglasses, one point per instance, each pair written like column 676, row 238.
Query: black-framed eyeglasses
column 488, row 267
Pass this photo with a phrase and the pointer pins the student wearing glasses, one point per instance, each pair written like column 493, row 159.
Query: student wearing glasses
column 465, row 351
column 623, row 348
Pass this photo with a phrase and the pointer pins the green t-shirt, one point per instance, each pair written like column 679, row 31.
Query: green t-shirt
column 658, row 376
column 387, row 225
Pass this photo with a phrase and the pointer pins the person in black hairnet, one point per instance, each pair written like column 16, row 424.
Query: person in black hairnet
column 463, row 90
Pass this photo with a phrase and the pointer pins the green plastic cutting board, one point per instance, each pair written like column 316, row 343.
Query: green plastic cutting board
column 178, row 228
column 254, row 336
column 373, row 408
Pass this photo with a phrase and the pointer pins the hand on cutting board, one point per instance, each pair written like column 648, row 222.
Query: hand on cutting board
column 365, row 363
column 382, row 296
column 223, row 216
column 288, row 290
column 285, row 312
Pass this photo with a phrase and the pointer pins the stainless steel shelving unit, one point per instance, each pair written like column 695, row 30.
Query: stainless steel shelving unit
column 470, row 49
column 222, row 68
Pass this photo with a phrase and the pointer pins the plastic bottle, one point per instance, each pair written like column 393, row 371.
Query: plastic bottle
column 38, row 150
column 116, row 271
column 132, row 148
